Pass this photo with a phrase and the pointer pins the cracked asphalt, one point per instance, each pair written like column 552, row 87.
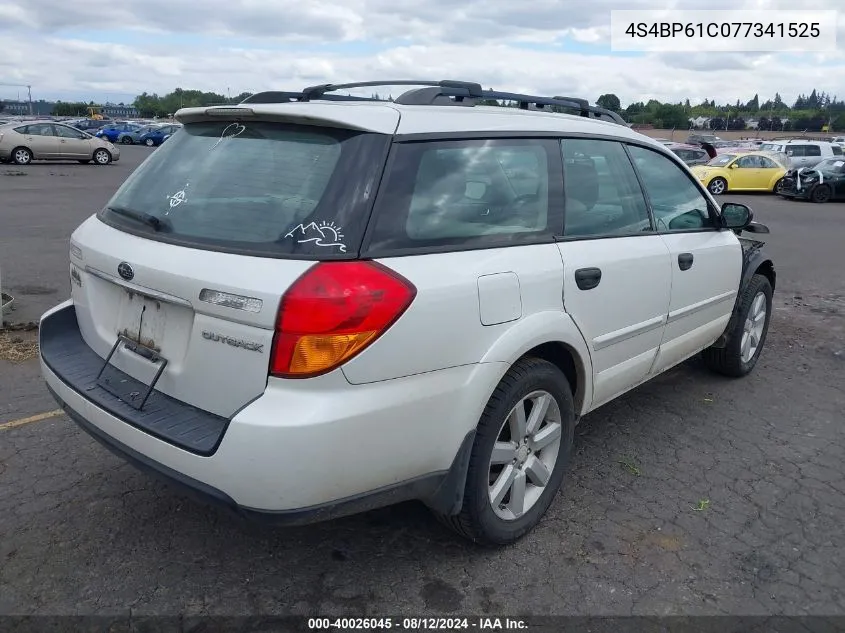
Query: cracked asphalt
column 692, row 495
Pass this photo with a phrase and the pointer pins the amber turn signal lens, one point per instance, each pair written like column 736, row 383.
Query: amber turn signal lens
column 312, row 354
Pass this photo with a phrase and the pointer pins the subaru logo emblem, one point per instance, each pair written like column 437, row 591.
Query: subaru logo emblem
column 125, row 271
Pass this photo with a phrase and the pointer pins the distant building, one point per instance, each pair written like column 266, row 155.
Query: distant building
column 21, row 108
column 119, row 111
column 700, row 122
column 45, row 108
column 752, row 124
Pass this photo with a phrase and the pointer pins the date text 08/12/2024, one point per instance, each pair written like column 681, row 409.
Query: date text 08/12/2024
column 417, row 624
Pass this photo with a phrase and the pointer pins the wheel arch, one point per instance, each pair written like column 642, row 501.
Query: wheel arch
column 551, row 336
column 718, row 176
column 17, row 147
column 755, row 262
column 765, row 268
column 554, row 337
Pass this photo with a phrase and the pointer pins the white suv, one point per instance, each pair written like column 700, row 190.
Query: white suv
column 803, row 153
column 310, row 308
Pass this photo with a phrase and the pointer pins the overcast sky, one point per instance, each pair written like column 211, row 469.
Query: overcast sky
column 114, row 49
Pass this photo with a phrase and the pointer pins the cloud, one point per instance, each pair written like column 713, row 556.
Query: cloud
column 547, row 46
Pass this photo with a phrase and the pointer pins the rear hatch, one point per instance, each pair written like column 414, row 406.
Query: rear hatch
column 191, row 257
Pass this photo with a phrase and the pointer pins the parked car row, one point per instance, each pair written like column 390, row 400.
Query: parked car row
column 795, row 168
column 128, row 133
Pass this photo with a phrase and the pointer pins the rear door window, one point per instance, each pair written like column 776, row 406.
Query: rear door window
column 602, row 194
column 258, row 188
column 37, row 129
column 466, row 194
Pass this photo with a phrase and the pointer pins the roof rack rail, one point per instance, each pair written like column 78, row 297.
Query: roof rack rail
column 443, row 92
column 451, row 92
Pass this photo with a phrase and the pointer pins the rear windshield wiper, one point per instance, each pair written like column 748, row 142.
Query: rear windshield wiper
column 158, row 224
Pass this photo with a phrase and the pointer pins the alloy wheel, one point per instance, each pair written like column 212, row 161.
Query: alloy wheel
column 752, row 331
column 524, row 455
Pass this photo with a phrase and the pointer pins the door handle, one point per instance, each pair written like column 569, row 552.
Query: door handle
column 587, row 278
column 685, row 261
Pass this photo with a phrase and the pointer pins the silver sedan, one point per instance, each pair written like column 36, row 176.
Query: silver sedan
column 25, row 141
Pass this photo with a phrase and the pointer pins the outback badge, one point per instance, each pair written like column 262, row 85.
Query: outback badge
column 234, row 342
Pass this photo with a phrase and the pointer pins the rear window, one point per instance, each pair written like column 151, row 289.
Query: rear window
column 261, row 188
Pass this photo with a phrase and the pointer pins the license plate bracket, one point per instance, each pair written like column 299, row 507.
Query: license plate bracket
column 130, row 390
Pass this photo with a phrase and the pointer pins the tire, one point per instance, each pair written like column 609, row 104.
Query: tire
column 149, row 142
column 821, row 194
column 102, row 156
column 21, row 156
column 717, row 186
column 778, row 186
column 126, row 140
column 729, row 360
column 530, row 380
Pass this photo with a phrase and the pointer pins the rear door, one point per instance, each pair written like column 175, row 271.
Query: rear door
column 42, row 140
column 706, row 263
column 192, row 255
column 617, row 272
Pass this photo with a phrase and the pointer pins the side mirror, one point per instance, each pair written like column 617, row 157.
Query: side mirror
column 734, row 166
column 736, row 216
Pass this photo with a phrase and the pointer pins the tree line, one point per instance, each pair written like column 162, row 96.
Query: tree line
column 809, row 112
column 153, row 105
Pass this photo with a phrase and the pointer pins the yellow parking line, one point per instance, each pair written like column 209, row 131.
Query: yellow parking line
column 33, row 418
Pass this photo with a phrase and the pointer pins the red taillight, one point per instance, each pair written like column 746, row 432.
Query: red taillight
column 333, row 312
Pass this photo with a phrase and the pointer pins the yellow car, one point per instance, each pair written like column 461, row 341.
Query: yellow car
column 741, row 171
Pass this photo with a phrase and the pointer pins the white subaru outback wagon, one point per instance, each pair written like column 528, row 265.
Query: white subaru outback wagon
column 308, row 305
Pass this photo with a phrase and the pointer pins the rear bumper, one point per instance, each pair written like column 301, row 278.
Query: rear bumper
column 307, row 451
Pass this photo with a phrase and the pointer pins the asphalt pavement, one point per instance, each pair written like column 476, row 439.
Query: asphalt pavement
column 693, row 494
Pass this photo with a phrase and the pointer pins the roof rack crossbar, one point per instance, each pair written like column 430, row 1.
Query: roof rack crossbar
column 278, row 96
column 317, row 92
